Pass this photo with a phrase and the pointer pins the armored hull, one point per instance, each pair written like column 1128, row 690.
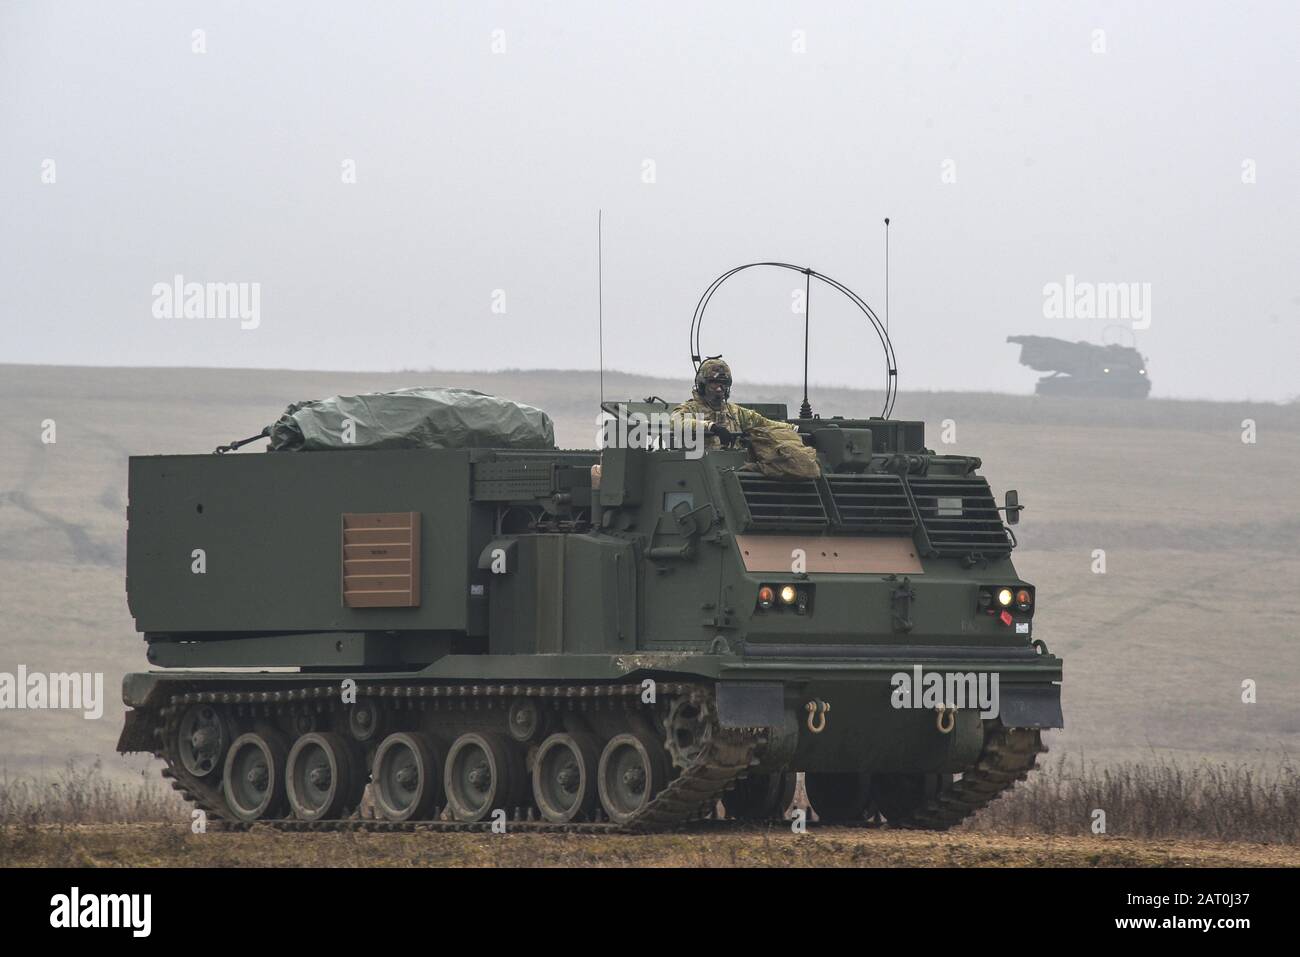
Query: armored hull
column 1100, row 387
column 570, row 639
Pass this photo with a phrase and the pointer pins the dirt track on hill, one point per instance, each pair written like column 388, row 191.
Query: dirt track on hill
column 164, row 845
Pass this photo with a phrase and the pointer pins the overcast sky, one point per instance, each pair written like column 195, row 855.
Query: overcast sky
column 1012, row 145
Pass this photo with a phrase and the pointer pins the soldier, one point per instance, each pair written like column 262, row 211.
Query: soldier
column 724, row 420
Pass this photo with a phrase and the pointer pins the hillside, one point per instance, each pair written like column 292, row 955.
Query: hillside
column 1201, row 591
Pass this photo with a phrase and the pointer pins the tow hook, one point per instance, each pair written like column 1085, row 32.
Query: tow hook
column 945, row 726
column 817, row 712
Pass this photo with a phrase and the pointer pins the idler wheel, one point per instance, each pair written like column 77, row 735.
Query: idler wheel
column 320, row 777
column 838, row 796
column 202, row 739
column 483, row 774
column 760, row 797
column 564, row 777
column 633, row 769
column 407, row 777
column 253, row 779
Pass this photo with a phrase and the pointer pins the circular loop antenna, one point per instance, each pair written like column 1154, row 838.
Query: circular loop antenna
column 1118, row 335
column 891, row 367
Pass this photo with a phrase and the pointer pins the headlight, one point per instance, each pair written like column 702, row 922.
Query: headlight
column 1004, row 597
column 788, row 594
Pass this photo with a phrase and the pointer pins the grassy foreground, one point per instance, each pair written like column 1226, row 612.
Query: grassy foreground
column 1162, row 813
column 709, row 845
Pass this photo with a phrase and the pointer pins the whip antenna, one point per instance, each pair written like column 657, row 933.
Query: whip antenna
column 600, row 301
column 805, row 410
column 886, row 275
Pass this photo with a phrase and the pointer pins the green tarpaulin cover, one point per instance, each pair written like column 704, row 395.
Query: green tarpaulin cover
column 412, row 419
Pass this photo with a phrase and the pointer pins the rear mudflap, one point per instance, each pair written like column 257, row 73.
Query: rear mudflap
column 137, row 734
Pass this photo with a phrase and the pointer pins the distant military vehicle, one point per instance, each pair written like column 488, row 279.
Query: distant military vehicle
column 1084, row 369
column 483, row 628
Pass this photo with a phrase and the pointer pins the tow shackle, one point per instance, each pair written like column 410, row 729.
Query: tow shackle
column 945, row 719
column 817, row 711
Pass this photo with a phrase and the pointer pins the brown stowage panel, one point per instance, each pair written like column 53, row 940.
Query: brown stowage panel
column 381, row 559
column 829, row 553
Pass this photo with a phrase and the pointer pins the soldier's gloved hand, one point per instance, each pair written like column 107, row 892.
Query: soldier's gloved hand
column 725, row 435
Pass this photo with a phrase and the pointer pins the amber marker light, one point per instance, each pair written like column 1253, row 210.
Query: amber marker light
column 766, row 597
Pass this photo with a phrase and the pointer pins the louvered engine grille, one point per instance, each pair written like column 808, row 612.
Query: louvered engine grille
column 775, row 503
column 959, row 515
column 872, row 503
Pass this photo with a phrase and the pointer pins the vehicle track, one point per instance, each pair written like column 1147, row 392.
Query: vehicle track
column 725, row 758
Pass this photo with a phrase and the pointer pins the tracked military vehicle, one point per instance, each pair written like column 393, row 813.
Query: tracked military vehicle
column 608, row 639
column 1084, row 369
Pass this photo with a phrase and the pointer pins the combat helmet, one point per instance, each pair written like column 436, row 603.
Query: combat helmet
column 713, row 370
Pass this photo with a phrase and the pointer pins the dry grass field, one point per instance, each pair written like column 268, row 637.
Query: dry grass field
column 1160, row 814
column 1201, row 589
column 141, row 845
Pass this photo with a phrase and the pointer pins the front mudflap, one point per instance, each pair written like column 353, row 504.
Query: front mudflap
column 1031, row 706
column 751, row 704
column 754, row 704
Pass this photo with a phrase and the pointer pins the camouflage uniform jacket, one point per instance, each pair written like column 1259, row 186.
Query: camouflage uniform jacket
column 732, row 417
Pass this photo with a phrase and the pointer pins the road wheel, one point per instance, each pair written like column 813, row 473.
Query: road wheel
column 633, row 769
column 253, row 778
column 407, row 777
column 483, row 774
column 564, row 777
column 320, row 777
